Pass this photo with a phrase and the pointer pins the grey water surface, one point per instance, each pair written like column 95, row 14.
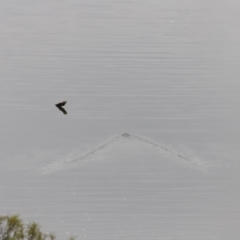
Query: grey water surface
column 166, row 73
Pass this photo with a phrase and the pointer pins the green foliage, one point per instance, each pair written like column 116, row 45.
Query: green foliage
column 72, row 238
column 12, row 228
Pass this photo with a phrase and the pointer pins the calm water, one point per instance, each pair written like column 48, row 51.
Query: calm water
column 164, row 70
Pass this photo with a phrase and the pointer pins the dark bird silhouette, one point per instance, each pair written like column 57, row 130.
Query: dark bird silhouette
column 60, row 106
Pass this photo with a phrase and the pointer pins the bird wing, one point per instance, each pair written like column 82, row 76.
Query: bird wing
column 61, row 104
column 63, row 110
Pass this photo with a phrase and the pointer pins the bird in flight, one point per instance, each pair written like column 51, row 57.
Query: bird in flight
column 60, row 106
